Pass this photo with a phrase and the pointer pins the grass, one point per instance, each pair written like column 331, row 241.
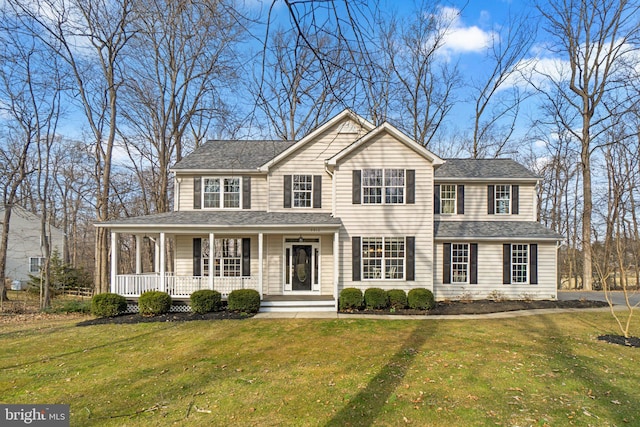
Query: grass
column 539, row 370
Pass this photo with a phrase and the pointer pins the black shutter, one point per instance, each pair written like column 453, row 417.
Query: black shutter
column 246, row 192
column 197, row 254
column 460, row 203
column 446, row 263
column 533, row 264
column 436, row 199
column 355, row 258
column 317, row 191
column 506, row 263
column 473, row 263
column 491, row 200
column 197, row 193
column 246, row 257
column 356, row 184
column 515, row 199
column 411, row 258
column 411, row 186
column 287, row 191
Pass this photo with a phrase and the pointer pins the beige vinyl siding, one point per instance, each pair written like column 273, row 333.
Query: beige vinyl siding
column 475, row 203
column 184, row 252
column 309, row 160
column 400, row 220
column 490, row 275
column 258, row 190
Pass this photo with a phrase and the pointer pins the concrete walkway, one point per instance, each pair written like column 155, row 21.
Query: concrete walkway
column 617, row 297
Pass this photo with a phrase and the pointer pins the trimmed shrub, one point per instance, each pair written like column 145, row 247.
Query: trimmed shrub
column 375, row 299
column 421, row 299
column 244, row 301
column 108, row 305
column 153, row 303
column 350, row 299
column 205, row 301
column 397, row 298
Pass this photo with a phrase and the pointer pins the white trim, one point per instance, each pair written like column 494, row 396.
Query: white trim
column 163, row 282
column 336, row 267
column 366, row 125
column 260, row 264
column 393, row 131
column 138, row 254
column 316, row 288
column 114, row 259
column 212, row 261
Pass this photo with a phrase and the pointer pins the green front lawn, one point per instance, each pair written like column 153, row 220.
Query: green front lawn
column 538, row 370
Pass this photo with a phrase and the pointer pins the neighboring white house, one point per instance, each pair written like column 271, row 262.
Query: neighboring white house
column 24, row 250
column 349, row 205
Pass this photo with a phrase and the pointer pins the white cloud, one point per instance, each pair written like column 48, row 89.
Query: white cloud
column 460, row 38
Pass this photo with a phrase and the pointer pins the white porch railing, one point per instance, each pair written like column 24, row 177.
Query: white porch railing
column 133, row 285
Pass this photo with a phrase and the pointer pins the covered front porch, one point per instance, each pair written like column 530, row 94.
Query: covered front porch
column 211, row 254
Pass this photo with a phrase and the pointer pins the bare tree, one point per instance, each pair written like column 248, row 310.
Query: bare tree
column 423, row 80
column 90, row 38
column 598, row 39
column 179, row 66
column 497, row 95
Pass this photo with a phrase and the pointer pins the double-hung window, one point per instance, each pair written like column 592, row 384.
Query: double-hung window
column 447, row 198
column 227, row 259
column 221, row 193
column 503, row 199
column 35, row 264
column 383, row 258
column 460, row 263
column 519, row 263
column 302, row 189
column 383, row 186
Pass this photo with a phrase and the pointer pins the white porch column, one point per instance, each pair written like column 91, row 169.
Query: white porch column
column 212, row 248
column 336, row 266
column 156, row 255
column 163, row 284
column 138, row 254
column 260, row 260
column 114, row 261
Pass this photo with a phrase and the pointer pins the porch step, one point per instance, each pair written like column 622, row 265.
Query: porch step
column 275, row 304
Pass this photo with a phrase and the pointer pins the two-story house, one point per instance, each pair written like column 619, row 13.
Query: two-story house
column 349, row 205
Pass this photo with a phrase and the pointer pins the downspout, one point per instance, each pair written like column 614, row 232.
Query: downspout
column 333, row 190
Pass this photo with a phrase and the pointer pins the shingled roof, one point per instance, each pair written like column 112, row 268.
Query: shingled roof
column 484, row 169
column 212, row 219
column 230, row 155
column 493, row 230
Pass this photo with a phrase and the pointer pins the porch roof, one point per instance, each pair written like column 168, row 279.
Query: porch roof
column 494, row 230
column 226, row 220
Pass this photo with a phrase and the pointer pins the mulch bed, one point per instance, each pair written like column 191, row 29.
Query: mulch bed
column 620, row 340
column 487, row 306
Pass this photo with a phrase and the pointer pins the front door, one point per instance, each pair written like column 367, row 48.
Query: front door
column 301, row 267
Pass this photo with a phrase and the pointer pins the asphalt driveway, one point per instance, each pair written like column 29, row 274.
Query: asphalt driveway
column 617, row 296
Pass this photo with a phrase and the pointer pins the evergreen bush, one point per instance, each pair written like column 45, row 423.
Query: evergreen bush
column 397, row 298
column 244, row 301
column 108, row 305
column 350, row 299
column 421, row 299
column 375, row 299
column 153, row 303
column 205, row 301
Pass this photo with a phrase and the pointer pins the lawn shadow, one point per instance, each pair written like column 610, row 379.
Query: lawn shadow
column 598, row 385
column 363, row 408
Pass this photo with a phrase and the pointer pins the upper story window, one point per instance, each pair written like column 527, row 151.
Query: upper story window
column 447, row 199
column 302, row 189
column 221, row 193
column 383, row 186
column 503, row 199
